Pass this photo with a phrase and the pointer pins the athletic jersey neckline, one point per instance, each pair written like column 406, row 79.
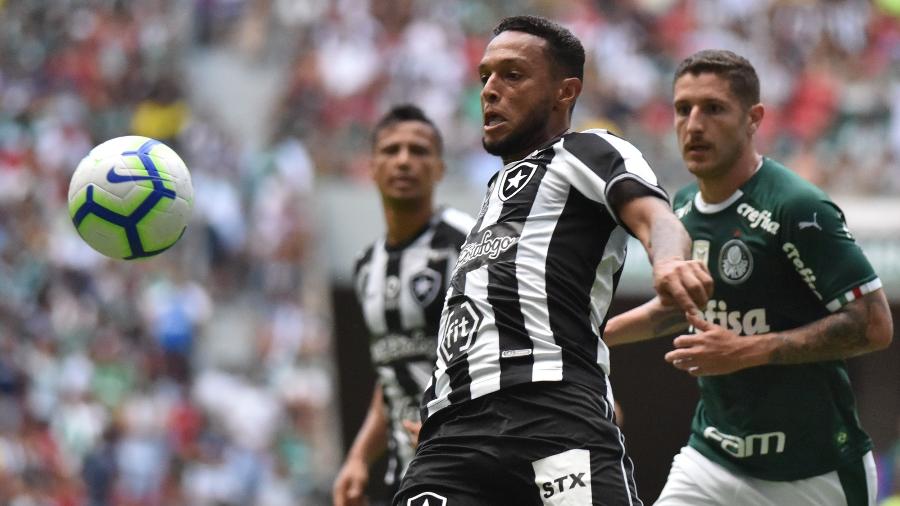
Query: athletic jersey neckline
column 546, row 145
column 706, row 208
column 435, row 214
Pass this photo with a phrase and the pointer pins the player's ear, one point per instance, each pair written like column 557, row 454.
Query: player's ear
column 755, row 116
column 569, row 90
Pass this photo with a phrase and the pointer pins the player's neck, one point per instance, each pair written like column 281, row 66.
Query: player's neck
column 553, row 130
column 403, row 224
column 718, row 188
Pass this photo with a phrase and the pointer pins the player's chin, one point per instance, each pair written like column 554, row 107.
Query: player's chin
column 404, row 198
column 695, row 166
column 497, row 145
column 490, row 143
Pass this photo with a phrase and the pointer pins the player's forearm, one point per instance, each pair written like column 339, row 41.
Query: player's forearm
column 860, row 327
column 668, row 240
column 651, row 221
column 644, row 322
column 678, row 282
column 371, row 440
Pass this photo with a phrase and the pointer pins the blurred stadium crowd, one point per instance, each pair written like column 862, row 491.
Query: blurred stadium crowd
column 204, row 376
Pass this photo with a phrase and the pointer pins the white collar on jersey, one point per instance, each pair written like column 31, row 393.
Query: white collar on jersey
column 707, row 208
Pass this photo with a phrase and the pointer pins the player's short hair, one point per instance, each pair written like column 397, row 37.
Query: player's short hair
column 566, row 52
column 736, row 69
column 406, row 112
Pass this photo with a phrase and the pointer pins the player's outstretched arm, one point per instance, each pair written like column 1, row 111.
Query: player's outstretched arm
column 862, row 326
column 652, row 319
column 371, row 441
column 677, row 281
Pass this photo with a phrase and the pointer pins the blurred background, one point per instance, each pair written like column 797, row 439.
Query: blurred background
column 233, row 369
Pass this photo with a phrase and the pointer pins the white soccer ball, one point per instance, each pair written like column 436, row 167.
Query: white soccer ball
column 131, row 197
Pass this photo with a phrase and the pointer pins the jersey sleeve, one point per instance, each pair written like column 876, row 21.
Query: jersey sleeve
column 458, row 224
column 361, row 273
column 683, row 201
column 817, row 242
column 598, row 161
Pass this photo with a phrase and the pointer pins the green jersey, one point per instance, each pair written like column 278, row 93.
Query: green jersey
column 781, row 256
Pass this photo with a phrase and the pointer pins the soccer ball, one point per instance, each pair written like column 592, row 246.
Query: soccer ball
column 131, row 197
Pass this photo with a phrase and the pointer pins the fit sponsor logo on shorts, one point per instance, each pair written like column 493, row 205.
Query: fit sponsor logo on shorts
column 806, row 274
column 744, row 323
column 759, row 219
column 749, row 445
column 427, row 499
column 565, row 478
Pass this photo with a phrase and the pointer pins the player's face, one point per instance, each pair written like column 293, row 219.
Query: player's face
column 518, row 94
column 712, row 125
column 406, row 163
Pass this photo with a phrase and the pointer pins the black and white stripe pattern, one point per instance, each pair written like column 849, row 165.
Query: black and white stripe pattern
column 401, row 291
column 531, row 289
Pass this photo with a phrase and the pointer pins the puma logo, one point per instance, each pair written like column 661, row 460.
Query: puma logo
column 806, row 224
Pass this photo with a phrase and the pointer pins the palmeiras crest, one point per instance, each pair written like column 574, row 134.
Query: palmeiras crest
column 735, row 262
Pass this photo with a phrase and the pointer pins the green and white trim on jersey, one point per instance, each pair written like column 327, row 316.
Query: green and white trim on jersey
column 853, row 294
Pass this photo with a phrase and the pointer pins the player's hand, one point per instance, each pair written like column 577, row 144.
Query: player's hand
column 714, row 350
column 350, row 485
column 413, row 429
column 683, row 283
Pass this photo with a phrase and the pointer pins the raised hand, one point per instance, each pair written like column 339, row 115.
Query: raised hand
column 713, row 350
column 682, row 283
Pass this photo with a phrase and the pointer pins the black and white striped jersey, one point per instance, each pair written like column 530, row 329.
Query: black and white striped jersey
column 401, row 292
column 530, row 292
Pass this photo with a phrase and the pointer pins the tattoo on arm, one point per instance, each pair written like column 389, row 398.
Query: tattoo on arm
column 837, row 336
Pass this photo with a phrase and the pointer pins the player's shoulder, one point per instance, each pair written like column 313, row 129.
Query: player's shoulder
column 598, row 141
column 683, row 199
column 608, row 156
column 783, row 189
column 364, row 256
column 455, row 220
column 450, row 228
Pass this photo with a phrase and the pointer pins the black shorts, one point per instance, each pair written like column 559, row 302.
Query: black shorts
column 548, row 443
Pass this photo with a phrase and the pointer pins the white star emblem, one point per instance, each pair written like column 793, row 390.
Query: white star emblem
column 440, row 500
column 514, row 181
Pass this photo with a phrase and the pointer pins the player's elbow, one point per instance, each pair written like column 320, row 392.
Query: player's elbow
column 879, row 326
column 880, row 330
column 880, row 334
column 612, row 333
